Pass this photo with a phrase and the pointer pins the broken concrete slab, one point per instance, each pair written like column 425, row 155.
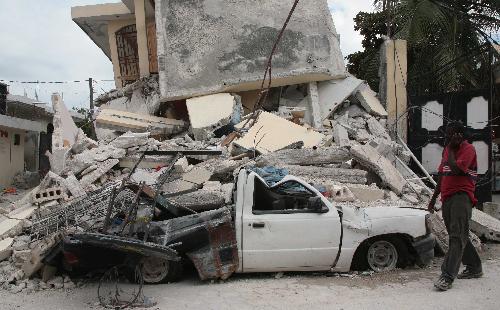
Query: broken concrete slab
column 492, row 209
column 227, row 50
column 355, row 110
column 314, row 106
column 340, row 135
column 72, row 184
column 485, row 225
column 367, row 193
column 222, row 169
column 127, row 121
column 197, row 175
column 141, row 96
column 178, row 186
column 89, row 158
column 148, row 162
column 201, row 200
column 58, row 159
column 6, row 248
column 227, row 190
column 332, row 94
column 181, row 165
column 130, row 139
column 20, row 257
column 376, row 129
column 82, row 143
column 368, row 157
column 12, row 224
column 65, row 129
column 271, row 133
column 103, row 168
column 368, row 99
column 208, row 113
column 305, row 157
column 311, row 173
column 340, row 193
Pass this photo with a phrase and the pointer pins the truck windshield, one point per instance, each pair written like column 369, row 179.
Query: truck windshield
column 288, row 196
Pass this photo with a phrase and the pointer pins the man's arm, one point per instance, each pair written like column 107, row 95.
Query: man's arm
column 437, row 191
column 452, row 162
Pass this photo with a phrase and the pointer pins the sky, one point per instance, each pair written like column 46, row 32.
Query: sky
column 40, row 42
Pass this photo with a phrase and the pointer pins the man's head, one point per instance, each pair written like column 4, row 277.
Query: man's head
column 455, row 134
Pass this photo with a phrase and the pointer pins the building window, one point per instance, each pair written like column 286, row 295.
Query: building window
column 128, row 55
column 17, row 139
column 152, row 48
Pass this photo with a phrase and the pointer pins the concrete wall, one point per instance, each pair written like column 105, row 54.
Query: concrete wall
column 393, row 84
column 31, row 153
column 11, row 156
column 209, row 46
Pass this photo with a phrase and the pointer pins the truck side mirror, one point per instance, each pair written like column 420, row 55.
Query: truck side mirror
column 317, row 205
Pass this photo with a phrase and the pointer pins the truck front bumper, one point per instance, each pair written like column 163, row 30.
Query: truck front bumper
column 424, row 248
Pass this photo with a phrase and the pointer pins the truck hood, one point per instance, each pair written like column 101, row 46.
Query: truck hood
column 392, row 212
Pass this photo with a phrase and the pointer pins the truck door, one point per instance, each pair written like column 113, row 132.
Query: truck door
column 288, row 228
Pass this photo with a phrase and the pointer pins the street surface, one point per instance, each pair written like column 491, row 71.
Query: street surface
column 401, row 289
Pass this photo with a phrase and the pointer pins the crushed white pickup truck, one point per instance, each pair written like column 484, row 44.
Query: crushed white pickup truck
column 289, row 226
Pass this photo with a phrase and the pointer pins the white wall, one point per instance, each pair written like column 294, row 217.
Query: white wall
column 11, row 156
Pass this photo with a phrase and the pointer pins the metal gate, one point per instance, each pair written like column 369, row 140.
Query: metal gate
column 128, row 55
column 430, row 114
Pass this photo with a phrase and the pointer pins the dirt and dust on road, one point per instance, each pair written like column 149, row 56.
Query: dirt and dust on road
column 402, row 289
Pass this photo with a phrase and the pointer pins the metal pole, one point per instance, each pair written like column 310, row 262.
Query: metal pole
column 416, row 161
column 92, row 129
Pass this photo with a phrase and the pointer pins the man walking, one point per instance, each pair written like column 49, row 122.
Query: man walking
column 456, row 184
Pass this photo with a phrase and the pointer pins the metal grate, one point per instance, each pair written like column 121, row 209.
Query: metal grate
column 80, row 212
column 128, row 55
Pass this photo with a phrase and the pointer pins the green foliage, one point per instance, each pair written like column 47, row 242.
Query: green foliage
column 445, row 42
column 86, row 124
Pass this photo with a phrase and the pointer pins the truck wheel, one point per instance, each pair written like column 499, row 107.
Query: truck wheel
column 387, row 254
column 157, row 270
column 382, row 254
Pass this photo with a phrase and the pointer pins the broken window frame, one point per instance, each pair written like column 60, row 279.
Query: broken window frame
column 307, row 193
column 128, row 53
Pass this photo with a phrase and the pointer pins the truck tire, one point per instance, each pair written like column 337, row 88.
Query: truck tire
column 156, row 270
column 381, row 254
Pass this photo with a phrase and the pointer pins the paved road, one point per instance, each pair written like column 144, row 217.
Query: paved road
column 402, row 289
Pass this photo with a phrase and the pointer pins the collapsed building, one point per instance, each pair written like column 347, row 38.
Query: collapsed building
column 179, row 137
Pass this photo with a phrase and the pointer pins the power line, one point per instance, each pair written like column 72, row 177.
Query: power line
column 52, row 82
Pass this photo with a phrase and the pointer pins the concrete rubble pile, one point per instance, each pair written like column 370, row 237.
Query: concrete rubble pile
column 331, row 132
column 342, row 155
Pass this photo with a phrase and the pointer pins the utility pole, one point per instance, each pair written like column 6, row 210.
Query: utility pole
column 92, row 129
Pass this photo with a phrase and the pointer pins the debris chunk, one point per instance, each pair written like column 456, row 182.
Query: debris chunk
column 492, row 209
column 6, row 248
column 367, row 156
column 367, row 194
column 130, row 139
column 272, row 133
column 305, row 157
column 127, row 121
column 485, row 225
column 333, row 93
column 312, row 173
column 208, row 113
column 369, row 101
column 103, row 168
